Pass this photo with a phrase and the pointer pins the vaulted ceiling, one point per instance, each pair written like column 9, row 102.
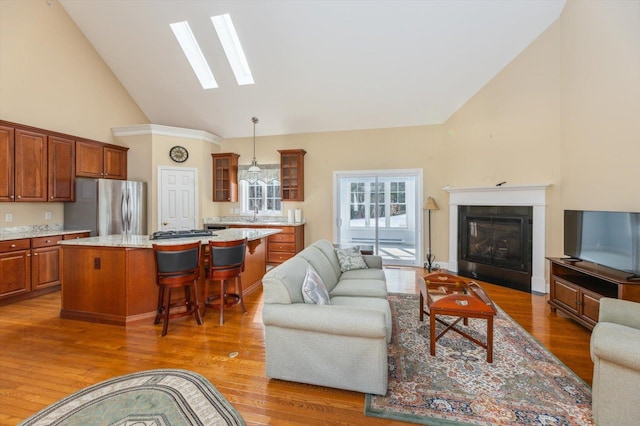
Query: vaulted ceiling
column 318, row 65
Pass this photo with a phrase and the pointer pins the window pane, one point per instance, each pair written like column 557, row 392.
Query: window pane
column 357, row 218
column 265, row 196
column 398, row 205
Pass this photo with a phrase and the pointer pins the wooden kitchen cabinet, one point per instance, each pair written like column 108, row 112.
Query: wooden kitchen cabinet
column 45, row 262
column 292, row 174
column 225, row 177
column 30, row 166
column 15, row 268
column 6, row 163
column 61, row 169
column 286, row 244
column 30, row 267
column 115, row 162
column 76, row 235
column 281, row 246
column 98, row 160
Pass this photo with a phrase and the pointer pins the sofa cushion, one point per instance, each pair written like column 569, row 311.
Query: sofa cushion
column 364, row 274
column 329, row 252
column 381, row 305
column 350, row 259
column 360, row 288
column 321, row 264
column 283, row 283
column 313, row 289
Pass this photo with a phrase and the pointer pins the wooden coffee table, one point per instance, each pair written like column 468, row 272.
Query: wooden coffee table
column 462, row 300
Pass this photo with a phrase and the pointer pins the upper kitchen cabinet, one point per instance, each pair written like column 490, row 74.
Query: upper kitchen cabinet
column 94, row 159
column 6, row 163
column 30, row 166
column 62, row 171
column 292, row 174
column 225, row 177
column 34, row 164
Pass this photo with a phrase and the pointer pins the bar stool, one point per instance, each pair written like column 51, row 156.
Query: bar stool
column 226, row 260
column 177, row 266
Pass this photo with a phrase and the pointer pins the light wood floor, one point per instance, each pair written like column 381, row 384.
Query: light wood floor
column 44, row 358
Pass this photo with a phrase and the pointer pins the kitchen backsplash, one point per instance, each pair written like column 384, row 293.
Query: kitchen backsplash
column 31, row 228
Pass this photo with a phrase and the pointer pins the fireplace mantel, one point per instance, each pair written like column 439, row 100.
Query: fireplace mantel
column 506, row 195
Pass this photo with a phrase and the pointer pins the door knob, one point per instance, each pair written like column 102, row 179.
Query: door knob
column 165, row 223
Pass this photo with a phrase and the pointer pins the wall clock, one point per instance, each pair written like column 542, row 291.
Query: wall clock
column 179, row 154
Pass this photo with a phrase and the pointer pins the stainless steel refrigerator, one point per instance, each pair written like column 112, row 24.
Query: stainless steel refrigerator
column 108, row 206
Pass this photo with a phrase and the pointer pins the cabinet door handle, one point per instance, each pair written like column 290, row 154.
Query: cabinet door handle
column 13, row 245
column 35, row 254
column 48, row 241
column 19, row 196
column 28, row 254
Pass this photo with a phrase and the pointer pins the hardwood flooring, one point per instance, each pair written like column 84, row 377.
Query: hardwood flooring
column 44, row 358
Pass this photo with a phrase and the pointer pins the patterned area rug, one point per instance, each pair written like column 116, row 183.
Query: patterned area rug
column 149, row 398
column 525, row 384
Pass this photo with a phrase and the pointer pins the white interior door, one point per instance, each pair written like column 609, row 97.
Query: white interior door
column 177, row 198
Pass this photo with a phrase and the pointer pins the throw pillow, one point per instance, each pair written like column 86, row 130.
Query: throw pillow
column 314, row 289
column 350, row 259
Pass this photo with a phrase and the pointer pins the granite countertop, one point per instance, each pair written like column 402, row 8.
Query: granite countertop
column 247, row 222
column 143, row 241
column 8, row 236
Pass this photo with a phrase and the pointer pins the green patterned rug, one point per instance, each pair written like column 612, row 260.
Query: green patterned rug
column 525, row 384
column 148, row 398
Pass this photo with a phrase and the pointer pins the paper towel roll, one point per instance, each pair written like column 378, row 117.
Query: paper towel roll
column 298, row 215
column 290, row 216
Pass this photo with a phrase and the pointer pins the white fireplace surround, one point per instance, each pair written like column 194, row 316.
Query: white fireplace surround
column 515, row 195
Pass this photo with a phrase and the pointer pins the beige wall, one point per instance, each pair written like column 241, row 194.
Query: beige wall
column 398, row 148
column 563, row 112
column 601, row 105
column 52, row 78
column 148, row 152
column 511, row 129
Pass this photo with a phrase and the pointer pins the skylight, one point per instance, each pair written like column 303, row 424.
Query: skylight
column 232, row 48
column 194, row 55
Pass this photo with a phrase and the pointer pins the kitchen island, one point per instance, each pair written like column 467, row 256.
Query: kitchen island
column 112, row 279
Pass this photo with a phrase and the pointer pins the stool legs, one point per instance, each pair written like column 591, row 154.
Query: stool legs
column 164, row 305
column 222, row 299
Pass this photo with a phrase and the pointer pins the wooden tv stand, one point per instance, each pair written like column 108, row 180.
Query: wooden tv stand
column 577, row 286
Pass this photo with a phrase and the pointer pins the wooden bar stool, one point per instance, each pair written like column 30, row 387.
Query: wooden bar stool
column 177, row 266
column 226, row 261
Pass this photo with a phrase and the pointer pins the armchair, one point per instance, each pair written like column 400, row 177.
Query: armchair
column 615, row 352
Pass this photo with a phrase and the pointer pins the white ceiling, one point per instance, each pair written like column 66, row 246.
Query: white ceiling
column 318, row 65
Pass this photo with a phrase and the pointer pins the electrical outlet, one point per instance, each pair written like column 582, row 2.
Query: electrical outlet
column 8, row 217
column 47, row 215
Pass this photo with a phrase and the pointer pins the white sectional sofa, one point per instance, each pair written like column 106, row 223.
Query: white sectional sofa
column 342, row 344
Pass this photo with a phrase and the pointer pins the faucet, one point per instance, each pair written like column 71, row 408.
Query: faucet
column 255, row 212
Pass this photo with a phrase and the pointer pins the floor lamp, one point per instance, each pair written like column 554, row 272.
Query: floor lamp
column 429, row 205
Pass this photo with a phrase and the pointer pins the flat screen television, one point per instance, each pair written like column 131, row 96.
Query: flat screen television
column 610, row 239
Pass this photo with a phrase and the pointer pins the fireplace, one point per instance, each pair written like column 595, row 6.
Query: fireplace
column 533, row 196
column 495, row 244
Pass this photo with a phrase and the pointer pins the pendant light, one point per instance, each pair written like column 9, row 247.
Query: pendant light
column 254, row 169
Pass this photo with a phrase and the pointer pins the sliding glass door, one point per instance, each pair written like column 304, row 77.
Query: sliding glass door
column 380, row 209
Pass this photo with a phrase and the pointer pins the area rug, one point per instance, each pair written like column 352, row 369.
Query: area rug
column 150, row 398
column 525, row 384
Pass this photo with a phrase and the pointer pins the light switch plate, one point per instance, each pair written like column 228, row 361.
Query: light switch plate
column 8, row 217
